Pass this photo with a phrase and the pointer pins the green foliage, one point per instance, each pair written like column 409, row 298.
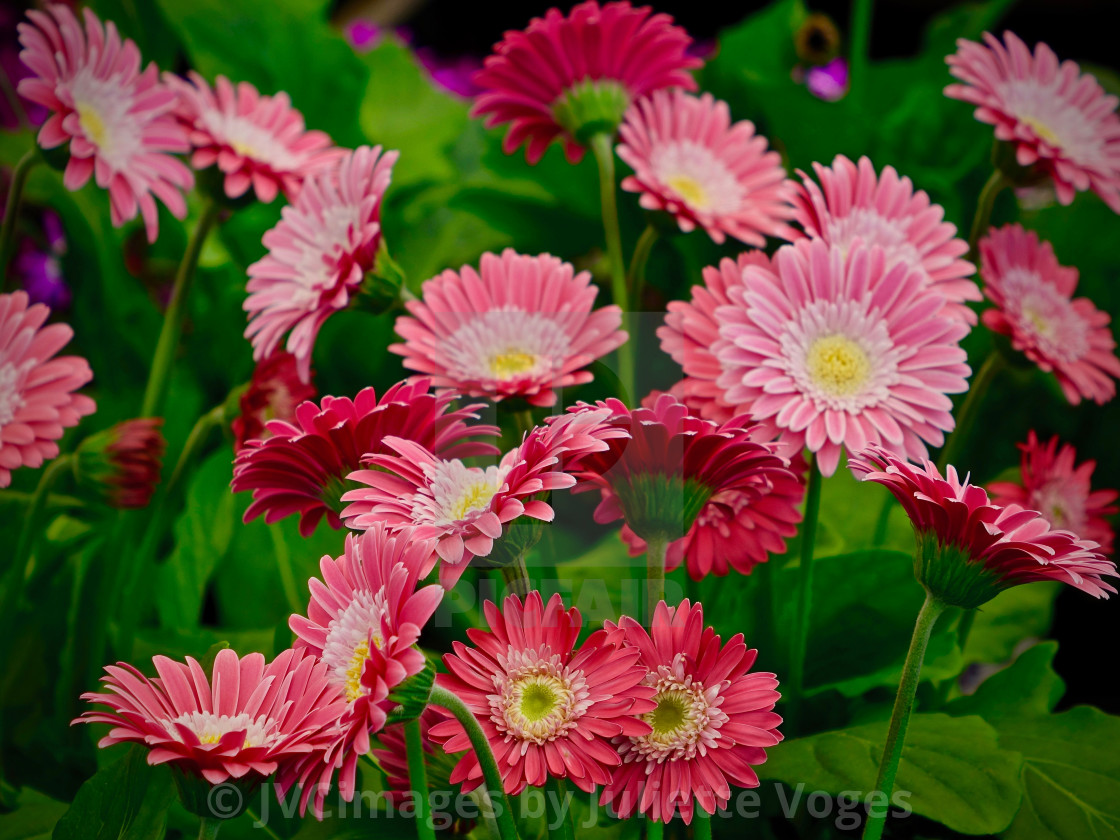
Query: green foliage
column 127, row 800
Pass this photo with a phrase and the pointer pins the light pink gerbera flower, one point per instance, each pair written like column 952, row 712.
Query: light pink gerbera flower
column 257, row 141
column 836, row 348
column 570, row 76
column 363, row 622
column 37, row 399
column 303, row 466
column 1058, row 119
column 521, row 326
column 116, row 118
column 852, row 202
column 468, row 509
column 244, row 721
column 318, row 254
column 692, row 162
column 1051, row 481
column 710, row 725
column 547, row 707
column 1035, row 306
column 970, row 549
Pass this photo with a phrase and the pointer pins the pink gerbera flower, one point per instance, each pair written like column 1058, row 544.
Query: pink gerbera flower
column 363, row 622
column 1052, row 482
column 274, row 392
column 692, row 162
column 571, row 76
column 123, row 463
column 710, row 724
column 37, row 399
column 467, row 508
column 303, row 466
column 970, row 549
column 835, row 347
column 245, row 721
column 257, row 141
column 1034, row 301
column 852, row 203
column 116, row 118
column 547, row 706
column 520, row 327
column 1058, row 119
column 318, row 254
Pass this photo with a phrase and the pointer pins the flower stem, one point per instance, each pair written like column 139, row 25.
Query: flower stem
column 636, row 278
column 656, row 547
column 655, row 829
column 882, row 521
column 503, row 814
column 208, row 830
column 516, row 576
column 900, row 716
column 159, row 378
column 994, row 186
column 524, row 422
column 602, row 145
column 702, row 824
column 859, row 52
column 559, row 814
column 804, row 591
column 11, row 209
column 967, row 413
column 418, row 779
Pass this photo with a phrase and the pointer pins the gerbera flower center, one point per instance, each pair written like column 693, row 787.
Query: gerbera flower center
column 685, row 721
column 1043, row 131
column 102, row 109
column 838, row 365
column 672, row 714
column 473, row 497
column 873, row 229
column 1046, row 315
column 507, row 365
column 251, row 140
column 508, row 344
column 92, row 125
column 537, row 698
column 456, row 493
column 210, row 728
column 1062, row 505
column 349, row 636
column 689, row 189
column 10, row 399
column 698, row 176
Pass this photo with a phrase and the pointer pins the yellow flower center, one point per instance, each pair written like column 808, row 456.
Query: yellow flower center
column 354, row 672
column 688, row 188
column 1043, row 131
column 243, row 149
column 538, row 700
column 210, row 739
column 507, row 365
column 92, row 125
column 475, row 496
column 837, row 365
column 672, row 713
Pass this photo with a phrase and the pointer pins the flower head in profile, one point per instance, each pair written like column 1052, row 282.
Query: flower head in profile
column 123, row 463
column 691, row 161
column 571, row 76
column 258, row 142
column 274, row 392
column 363, row 622
column 302, row 466
column 711, row 723
column 969, row 548
column 1058, row 120
column 548, row 706
column 838, row 348
column 852, row 202
column 116, row 117
column 318, row 254
column 466, row 508
column 1052, row 482
column 521, row 326
column 37, row 399
column 1035, row 307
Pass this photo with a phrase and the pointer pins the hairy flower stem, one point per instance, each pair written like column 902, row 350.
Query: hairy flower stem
column 701, row 824
column 655, row 829
column 967, row 413
column 208, row 830
column 860, row 27
column 800, row 639
column 516, row 576
column 656, row 547
column 900, row 716
column 636, row 278
column 602, row 145
column 159, row 378
column 980, row 222
column 11, row 210
column 499, row 804
column 418, row 779
column 559, row 810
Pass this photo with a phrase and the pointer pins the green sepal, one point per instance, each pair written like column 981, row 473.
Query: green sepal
column 381, row 288
column 197, row 794
column 591, row 107
column 950, row 575
column 411, row 697
column 660, row 505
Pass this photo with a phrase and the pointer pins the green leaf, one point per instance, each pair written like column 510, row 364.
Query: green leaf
column 33, row 819
column 953, row 770
column 1002, row 623
column 1026, row 688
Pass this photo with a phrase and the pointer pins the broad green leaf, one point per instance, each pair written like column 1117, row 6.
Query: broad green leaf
column 1002, row 623
column 34, row 817
column 1026, row 688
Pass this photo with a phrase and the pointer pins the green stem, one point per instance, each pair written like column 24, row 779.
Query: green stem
column 524, row 422
column 602, row 145
column 800, row 637
column 284, row 567
column 967, row 413
column 11, row 208
column 859, row 53
column 516, row 576
column 263, row 825
column 636, row 278
column 559, row 815
column 159, row 378
column 701, row 824
column 503, row 814
column 418, row 779
column 54, row 500
column 656, row 547
column 655, row 829
column 208, row 829
column 994, row 186
column 882, row 521
column 900, row 716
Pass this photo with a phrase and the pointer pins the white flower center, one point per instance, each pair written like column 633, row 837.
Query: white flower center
column 1045, row 314
column 892, row 235
column 103, row 109
column 537, row 698
column 1062, row 505
column 1055, row 121
column 11, row 398
column 698, row 176
column 456, row 493
column 250, row 140
column 509, row 344
column 348, row 637
column 210, row 728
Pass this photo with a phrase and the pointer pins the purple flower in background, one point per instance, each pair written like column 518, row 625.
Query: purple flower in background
column 830, row 81
column 452, row 73
column 40, row 270
column 363, row 35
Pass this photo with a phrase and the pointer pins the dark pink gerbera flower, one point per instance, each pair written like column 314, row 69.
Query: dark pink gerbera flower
column 274, row 393
column 123, row 462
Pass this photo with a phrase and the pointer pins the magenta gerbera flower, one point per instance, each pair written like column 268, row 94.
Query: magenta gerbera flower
column 363, row 622
column 691, row 161
column 547, row 706
column 274, row 392
column 834, row 348
column 469, row 508
column 711, row 722
column 852, row 202
column 244, row 721
column 1033, row 294
column 1058, row 119
column 122, row 463
column 303, row 467
column 116, row 118
column 521, row 326
column 256, row 141
column 37, row 399
column 318, row 254
column 970, row 549
column 1051, row 481
column 571, row 76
